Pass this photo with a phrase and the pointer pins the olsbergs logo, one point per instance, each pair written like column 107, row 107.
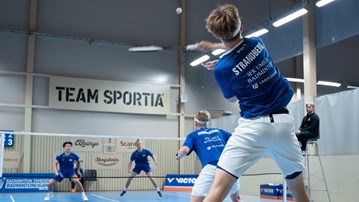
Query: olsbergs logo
column 107, row 161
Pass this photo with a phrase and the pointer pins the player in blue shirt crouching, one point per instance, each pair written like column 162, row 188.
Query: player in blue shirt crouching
column 66, row 161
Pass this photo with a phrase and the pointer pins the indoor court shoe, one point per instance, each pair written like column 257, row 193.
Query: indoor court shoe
column 159, row 193
column 123, row 193
column 84, row 198
column 48, row 197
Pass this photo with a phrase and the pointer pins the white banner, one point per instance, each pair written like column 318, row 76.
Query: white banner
column 109, row 96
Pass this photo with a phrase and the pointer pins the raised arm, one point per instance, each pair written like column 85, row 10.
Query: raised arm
column 208, row 46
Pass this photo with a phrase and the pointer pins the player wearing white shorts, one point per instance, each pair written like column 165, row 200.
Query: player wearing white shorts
column 208, row 143
column 246, row 74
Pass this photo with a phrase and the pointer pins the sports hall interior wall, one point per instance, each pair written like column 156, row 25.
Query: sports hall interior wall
column 64, row 48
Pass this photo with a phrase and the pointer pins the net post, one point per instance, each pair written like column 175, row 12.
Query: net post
column 2, row 143
column 284, row 190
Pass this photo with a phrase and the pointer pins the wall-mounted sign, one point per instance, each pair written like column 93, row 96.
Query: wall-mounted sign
column 108, row 96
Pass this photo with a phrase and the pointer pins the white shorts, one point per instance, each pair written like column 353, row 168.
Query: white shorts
column 205, row 179
column 256, row 137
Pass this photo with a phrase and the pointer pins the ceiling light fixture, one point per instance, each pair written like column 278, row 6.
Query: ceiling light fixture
column 200, row 60
column 328, row 83
column 323, row 2
column 145, row 49
column 295, row 80
column 290, row 17
column 257, row 33
column 218, row 51
column 323, row 83
column 350, row 86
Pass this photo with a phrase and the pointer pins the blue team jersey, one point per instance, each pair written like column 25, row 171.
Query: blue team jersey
column 141, row 158
column 208, row 143
column 67, row 163
column 248, row 73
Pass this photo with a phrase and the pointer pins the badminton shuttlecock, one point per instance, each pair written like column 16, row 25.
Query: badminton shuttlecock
column 178, row 10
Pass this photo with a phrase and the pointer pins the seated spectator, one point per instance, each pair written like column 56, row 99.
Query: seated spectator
column 309, row 129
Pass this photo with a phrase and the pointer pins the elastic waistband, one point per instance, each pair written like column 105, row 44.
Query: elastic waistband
column 281, row 111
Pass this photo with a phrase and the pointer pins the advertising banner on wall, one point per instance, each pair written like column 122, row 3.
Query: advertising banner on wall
column 128, row 145
column 11, row 159
column 106, row 145
column 102, row 161
column 87, row 144
column 25, row 182
column 179, row 182
column 108, row 96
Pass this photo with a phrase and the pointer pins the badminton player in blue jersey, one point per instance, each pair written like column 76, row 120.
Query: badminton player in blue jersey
column 140, row 156
column 65, row 161
column 208, row 143
column 246, row 74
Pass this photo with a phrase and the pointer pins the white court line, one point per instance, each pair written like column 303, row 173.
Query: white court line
column 108, row 199
column 12, row 199
column 180, row 195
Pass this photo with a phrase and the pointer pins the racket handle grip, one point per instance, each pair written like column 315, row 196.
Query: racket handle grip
column 191, row 47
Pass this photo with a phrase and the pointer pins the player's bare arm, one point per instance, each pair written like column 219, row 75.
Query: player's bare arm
column 129, row 166
column 208, row 46
column 55, row 167
column 182, row 152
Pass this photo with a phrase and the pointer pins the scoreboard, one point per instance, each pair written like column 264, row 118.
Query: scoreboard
column 9, row 140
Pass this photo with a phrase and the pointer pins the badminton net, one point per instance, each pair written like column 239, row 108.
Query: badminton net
column 31, row 157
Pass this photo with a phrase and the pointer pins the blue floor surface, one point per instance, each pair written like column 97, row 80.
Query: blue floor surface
column 131, row 196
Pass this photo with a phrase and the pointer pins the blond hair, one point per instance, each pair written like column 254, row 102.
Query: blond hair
column 224, row 22
column 310, row 104
column 202, row 117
